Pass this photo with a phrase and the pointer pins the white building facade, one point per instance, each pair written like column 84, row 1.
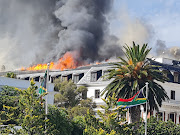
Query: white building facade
column 91, row 77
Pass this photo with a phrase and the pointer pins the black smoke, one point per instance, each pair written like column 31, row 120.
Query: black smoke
column 38, row 31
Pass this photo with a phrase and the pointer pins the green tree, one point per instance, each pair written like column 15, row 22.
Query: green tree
column 112, row 120
column 82, row 108
column 131, row 74
column 32, row 113
column 59, row 121
column 11, row 75
column 69, row 94
column 9, row 110
column 78, row 125
column 159, row 127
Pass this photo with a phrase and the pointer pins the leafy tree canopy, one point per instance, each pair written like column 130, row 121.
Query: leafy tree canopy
column 69, row 94
column 11, row 75
column 9, row 110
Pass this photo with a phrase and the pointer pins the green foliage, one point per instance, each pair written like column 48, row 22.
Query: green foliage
column 11, row 75
column 59, row 122
column 9, row 110
column 112, row 120
column 82, row 108
column 159, row 127
column 9, row 96
column 88, row 103
column 32, row 116
column 112, row 116
column 78, row 125
column 100, row 131
column 6, row 130
column 92, row 124
column 69, row 95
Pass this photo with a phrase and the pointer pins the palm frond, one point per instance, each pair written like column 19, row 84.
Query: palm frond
column 131, row 75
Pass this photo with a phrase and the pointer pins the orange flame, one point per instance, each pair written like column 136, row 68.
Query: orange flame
column 66, row 62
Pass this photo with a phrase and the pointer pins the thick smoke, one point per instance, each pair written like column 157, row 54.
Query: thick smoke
column 85, row 29
column 163, row 51
column 38, row 31
column 27, row 31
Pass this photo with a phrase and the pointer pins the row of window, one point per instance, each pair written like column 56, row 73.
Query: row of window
column 95, row 75
column 172, row 116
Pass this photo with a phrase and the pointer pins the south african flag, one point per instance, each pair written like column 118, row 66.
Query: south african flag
column 137, row 99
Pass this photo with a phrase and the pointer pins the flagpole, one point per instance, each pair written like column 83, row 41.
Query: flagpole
column 146, row 107
column 47, row 80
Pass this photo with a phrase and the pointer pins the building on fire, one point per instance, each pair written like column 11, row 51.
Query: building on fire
column 91, row 77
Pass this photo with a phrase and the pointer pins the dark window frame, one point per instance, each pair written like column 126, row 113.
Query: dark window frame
column 172, row 117
column 172, row 94
column 97, row 93
column 93, row 76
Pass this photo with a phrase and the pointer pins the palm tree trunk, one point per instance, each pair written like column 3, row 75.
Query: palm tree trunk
column 135, row 113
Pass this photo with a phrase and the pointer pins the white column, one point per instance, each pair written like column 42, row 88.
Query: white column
column 127, row 116
column 73, row 77
column 166, row 116
column 142, row 111
column 154, row 113
column 177, row 118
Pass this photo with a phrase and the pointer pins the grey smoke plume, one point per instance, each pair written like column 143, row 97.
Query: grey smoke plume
column 164, row 51
column 133, row 28
column 85, row 29
column 38, row 31
column 27, row 31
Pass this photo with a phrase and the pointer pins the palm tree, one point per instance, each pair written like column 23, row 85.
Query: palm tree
column 131, row 74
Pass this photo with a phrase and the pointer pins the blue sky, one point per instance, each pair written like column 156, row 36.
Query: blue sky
column 161, row 16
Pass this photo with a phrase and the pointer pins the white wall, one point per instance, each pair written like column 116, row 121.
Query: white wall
column 168, row 86
column 23, row 84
